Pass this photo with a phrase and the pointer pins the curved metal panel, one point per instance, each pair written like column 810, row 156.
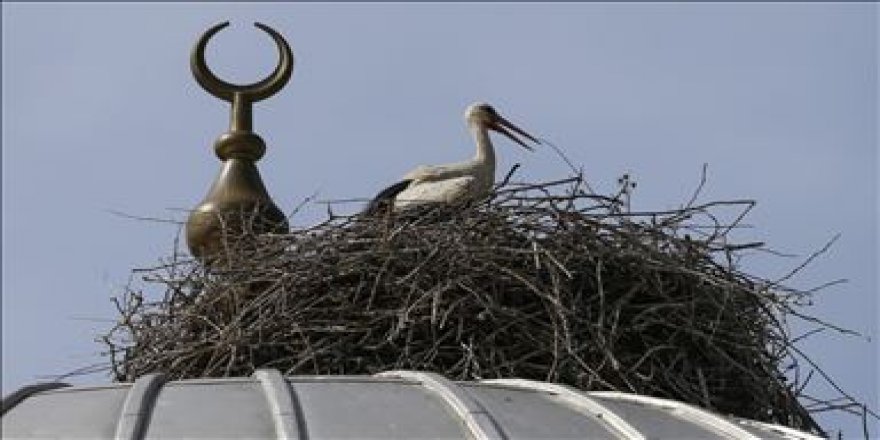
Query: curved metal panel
column 783, row 432
column 286, row 413
column 578, row 401
column 479, row 422
column 698, row 416
column 138, row 406
column 27, row 391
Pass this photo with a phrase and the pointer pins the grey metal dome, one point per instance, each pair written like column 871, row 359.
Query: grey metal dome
column 392, row 405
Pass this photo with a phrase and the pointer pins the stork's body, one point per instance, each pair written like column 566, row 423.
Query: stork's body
column 454, row 182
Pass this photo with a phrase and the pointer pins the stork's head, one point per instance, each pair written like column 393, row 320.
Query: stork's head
column 485, row 115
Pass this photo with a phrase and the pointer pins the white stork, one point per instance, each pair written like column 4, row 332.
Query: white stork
column 448, row 183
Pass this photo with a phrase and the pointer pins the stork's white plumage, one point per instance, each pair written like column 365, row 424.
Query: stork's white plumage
column 457, row 181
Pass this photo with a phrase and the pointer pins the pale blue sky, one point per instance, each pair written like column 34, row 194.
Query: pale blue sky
column 100, row 114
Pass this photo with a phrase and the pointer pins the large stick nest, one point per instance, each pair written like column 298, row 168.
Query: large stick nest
column 546, row 281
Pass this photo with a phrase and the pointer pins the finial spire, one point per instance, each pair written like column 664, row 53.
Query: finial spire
column 237, row 202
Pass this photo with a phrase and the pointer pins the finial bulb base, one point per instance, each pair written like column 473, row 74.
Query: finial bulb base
column 237, row 206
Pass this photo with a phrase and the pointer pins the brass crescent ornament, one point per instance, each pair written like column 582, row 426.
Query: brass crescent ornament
column 251, row 92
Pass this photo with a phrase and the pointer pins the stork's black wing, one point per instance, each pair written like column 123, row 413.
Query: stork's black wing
column 385, row 198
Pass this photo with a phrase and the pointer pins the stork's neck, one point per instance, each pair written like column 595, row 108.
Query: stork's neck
column 485, row 151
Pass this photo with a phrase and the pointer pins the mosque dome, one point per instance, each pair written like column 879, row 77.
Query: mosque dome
column 391, row 405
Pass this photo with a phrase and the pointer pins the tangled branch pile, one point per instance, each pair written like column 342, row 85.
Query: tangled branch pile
column 546, row 281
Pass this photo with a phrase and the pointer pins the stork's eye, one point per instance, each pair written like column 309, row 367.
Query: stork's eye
column 488, row 109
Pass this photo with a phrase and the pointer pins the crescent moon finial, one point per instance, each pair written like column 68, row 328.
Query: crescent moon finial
column 250, row 92
column 238, row 202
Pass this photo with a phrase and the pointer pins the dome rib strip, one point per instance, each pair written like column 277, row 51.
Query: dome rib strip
column 138, row 406
column 473, row 415
column 283, row 404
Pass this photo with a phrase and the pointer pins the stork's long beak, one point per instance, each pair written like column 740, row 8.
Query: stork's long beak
column 499, row 126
